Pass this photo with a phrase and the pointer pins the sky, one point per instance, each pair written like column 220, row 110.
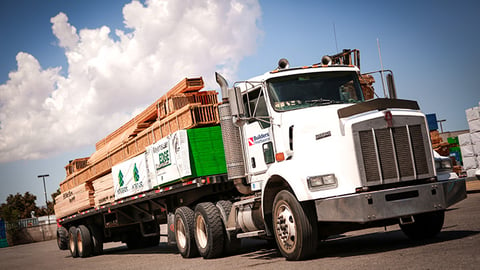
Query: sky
column 73, row 71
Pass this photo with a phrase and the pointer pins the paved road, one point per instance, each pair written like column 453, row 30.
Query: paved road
column 457, row 247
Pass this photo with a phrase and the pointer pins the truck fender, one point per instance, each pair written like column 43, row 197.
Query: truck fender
column 274, row 185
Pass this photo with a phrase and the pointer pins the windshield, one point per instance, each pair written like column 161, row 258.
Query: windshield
column 315, row 89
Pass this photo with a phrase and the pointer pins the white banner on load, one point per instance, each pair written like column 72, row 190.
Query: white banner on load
column 169, row 158
column 464, row 139
column 131, row 177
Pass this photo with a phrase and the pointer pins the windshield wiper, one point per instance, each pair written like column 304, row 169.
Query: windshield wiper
column 322, row 101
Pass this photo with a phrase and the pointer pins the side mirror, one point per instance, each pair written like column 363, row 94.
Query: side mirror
column 236, row 104
column 392, row 92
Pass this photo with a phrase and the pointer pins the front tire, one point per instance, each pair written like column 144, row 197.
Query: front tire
column 425, row 226
column 294, row 226
column 209, row 230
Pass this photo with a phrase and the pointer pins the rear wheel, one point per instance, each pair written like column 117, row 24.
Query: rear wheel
column 209, row 230
column 62, row 238
column 295, row 227
column 97, row 240
column 425, row 225
column 72, row 241
column 84, row 242
column 232, row 243
column 184, row 232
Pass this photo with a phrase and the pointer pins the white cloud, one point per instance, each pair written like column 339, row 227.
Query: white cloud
column 44, row 113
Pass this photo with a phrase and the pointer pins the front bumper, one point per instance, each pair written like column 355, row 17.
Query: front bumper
column 391, row 203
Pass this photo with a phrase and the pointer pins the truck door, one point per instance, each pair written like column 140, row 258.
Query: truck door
column 258, row 135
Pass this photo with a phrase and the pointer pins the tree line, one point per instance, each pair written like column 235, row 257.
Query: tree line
column 20, row 206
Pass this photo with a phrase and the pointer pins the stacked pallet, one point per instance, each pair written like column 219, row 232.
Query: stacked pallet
column 366, row 82
column 74, row 200
column 438, row 144
column 103, row 188
column 470, row 142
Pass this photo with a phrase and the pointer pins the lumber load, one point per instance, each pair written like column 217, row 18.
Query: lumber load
column 76, row 165
column 103, row 190
column 150, row 114
column 74, row 200
column 183, row 107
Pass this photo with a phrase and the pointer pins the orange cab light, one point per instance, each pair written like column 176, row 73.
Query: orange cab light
column 280, row 156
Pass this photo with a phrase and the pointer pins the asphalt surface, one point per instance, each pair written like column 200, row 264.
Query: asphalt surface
column 456, row 247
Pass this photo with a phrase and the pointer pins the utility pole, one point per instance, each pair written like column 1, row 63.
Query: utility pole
column 45, row 191
column 440, row 122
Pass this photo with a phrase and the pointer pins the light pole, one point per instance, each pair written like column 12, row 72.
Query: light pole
column 45, row 191
column 440, row 122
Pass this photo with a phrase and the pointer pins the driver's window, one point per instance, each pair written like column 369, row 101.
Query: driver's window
column 256, row 107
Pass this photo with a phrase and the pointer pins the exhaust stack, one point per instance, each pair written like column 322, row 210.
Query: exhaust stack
column 231, row 141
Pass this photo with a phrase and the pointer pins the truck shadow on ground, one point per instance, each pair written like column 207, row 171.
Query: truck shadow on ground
column 349, row 246
column 337, row 246
column 162, row 248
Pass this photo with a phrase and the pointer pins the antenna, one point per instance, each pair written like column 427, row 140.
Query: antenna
column 335, row 34
column 381, row 67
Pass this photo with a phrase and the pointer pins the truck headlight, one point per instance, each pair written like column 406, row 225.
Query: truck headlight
column 320, row 181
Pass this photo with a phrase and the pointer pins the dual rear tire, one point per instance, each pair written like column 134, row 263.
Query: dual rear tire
column 84, row 242
column 202, row 231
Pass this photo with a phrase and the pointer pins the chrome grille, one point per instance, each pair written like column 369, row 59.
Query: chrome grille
column 393, row 154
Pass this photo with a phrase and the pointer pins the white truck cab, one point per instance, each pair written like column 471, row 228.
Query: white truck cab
column 312, row 143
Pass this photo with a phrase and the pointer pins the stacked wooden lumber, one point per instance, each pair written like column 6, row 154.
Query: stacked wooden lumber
column 183, row 107
column 104, row 191
column 74, row 200
column 438, row 144
column 76, row 165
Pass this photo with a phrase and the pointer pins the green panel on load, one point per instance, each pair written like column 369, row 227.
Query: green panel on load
column 207, row 156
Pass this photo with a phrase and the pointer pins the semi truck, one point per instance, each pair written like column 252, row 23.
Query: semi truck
column 310, row 152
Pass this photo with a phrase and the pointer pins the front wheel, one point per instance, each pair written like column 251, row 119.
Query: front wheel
column 426, row 225
column 295, row 227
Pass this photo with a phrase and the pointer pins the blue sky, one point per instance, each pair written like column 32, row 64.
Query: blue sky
column 432, row 47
